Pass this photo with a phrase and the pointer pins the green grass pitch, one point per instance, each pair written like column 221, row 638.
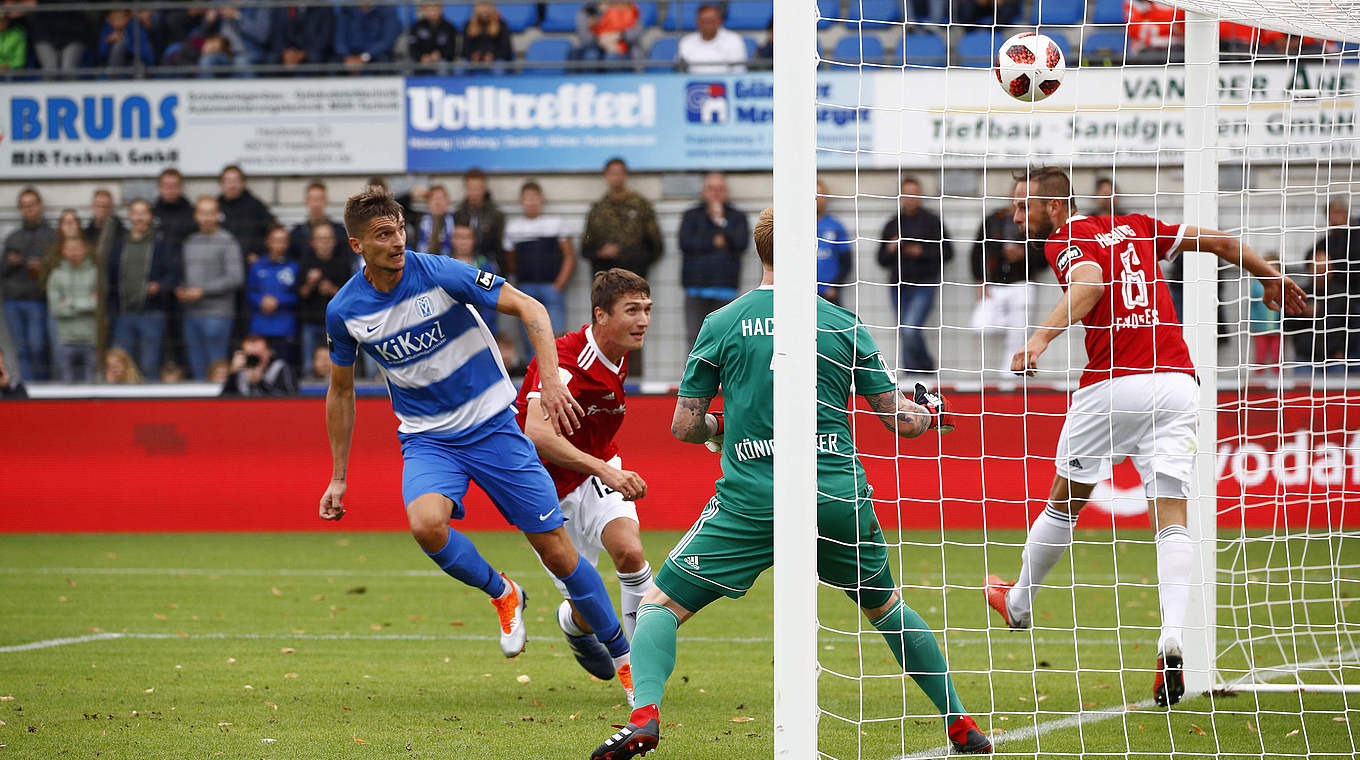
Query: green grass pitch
column 354, row 646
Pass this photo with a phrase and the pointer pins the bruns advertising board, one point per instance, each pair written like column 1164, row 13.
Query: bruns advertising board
column 130, row 129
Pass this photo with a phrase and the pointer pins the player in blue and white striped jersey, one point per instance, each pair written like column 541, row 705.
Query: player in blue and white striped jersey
column 415, row 315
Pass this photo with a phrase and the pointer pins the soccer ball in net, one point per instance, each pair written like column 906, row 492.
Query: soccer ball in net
column 1030, row 66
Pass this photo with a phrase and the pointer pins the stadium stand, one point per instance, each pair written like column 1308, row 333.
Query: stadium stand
column 856, row 50
column 1104, row 49
column 749, row 15
column 662, row 54
column 548, row 50
column 519, row 16
column 560, row 17
column 1108, row 12
column 923, row 50
column 680, row 16
column 1058, row 12
column 977, row 49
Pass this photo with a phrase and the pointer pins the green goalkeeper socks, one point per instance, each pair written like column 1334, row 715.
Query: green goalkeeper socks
column 653, row 656
column 916, row 651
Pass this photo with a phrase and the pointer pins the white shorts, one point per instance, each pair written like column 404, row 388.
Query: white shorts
column 1151, row 417
column 587, row 510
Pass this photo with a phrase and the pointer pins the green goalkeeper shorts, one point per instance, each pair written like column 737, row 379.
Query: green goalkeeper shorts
column 725, row 551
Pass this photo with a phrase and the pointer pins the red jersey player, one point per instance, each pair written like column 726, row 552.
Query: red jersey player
column 596, row 494
column 1138, row 396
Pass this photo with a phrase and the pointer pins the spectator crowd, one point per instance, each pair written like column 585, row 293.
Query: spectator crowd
column 164, row 292
column 216, row 289
column 224, row 39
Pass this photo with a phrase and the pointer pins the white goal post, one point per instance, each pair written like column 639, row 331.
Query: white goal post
column 796, row 162
column 795, row 383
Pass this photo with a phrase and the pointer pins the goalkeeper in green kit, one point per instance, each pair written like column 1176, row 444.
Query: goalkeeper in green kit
column 733, row 540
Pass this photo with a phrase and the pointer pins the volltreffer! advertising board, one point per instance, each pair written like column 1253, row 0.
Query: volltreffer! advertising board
column 572, row 124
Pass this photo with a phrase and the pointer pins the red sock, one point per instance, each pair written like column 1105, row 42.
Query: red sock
column 958, row 730
column 645, row 713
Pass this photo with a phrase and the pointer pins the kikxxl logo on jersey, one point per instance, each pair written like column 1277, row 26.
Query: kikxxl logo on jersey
column 412, row 344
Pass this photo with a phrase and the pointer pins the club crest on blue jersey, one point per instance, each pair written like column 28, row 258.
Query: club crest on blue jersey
column 424, row 307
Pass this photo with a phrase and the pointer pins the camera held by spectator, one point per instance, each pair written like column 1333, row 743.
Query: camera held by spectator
column 256, row 371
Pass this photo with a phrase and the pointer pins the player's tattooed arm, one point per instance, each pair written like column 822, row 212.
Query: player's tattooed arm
column 559, row 406
column 690, row 423
column 903, row 417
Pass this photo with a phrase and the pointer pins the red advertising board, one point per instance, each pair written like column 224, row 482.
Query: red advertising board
column 238, row 465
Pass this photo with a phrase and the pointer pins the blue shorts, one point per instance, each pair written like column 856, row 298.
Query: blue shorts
column 503, row 462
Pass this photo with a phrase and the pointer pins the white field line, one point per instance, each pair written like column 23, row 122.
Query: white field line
column 1087, row 717
column 45, row 643
column 115, row 635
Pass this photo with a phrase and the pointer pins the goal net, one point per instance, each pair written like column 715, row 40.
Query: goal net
column 1237, row 115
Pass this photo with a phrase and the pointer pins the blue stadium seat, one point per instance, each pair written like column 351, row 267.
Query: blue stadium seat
column 550, row 50
column 923, row 50
column 855, row 49
column 749, row 15
column 519, row 16
column 1104, row 47
column 680, row 16
column 663, row 54
column 1109, row 12
column 648, row 14
column 458, row 15
column 977, row 49
column 828, row 12
column 406, row 15
column 1058, row 12
column 560, row 17
column 751, row 46
column 875, row 10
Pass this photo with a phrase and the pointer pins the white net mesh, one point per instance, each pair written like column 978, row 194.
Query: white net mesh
column 1286, row 455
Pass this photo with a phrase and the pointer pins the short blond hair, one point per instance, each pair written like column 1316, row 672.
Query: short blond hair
column 764, row 236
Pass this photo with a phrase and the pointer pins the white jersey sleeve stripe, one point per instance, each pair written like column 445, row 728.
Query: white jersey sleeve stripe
column 1174, row 250
column 1084, row 262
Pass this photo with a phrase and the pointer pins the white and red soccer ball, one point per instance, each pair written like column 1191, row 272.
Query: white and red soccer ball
column 1030, row 66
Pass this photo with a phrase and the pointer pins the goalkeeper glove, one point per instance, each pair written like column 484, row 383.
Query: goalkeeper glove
column 715, row 441
column 940, row 417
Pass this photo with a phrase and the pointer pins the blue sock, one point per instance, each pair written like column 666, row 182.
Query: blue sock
column 592, row 601
column 460, row 559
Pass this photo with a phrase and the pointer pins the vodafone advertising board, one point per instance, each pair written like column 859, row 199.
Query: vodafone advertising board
column 259, row 465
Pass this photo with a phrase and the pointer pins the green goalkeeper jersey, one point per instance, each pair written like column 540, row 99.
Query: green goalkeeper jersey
column 733, row 355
